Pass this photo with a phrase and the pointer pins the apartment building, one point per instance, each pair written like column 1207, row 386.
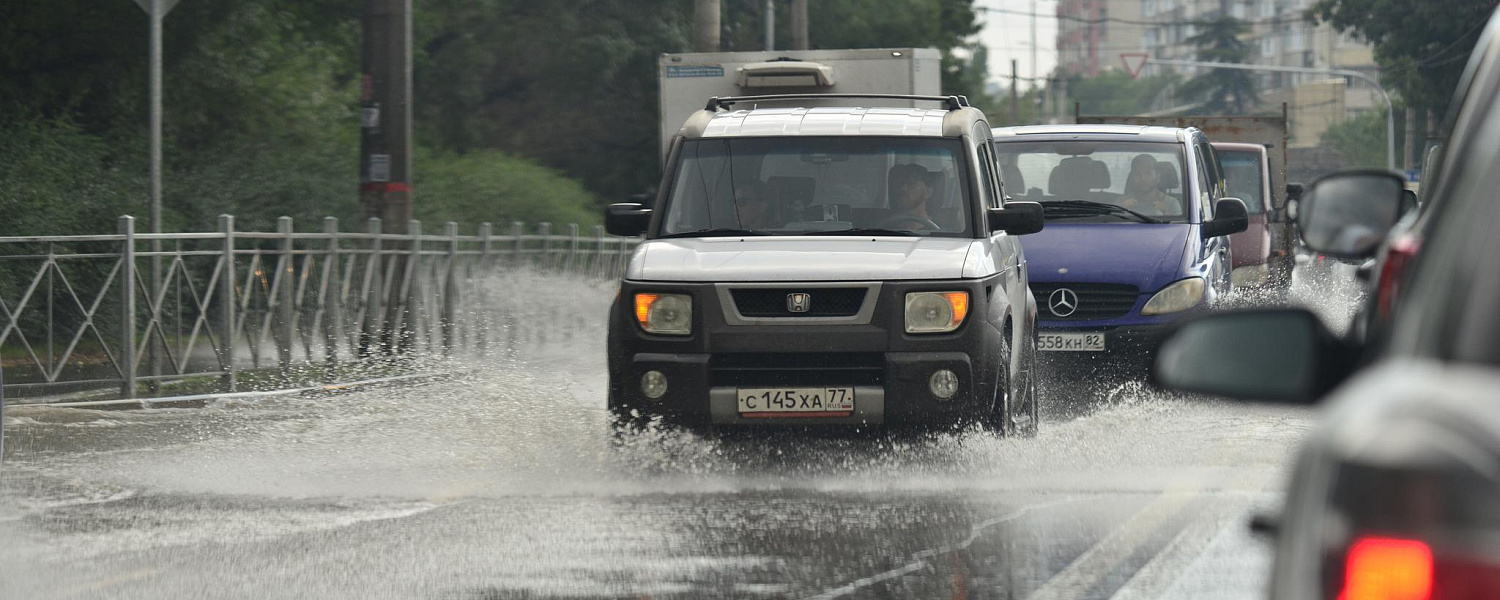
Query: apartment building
column 1091, row 34
column 1279, row 35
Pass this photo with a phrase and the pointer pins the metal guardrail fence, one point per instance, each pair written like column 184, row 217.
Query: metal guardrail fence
column 83, row 312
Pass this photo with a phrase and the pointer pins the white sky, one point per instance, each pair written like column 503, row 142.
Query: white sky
column 1008, row 36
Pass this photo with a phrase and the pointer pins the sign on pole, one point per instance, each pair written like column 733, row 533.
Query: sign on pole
column 1134, row 62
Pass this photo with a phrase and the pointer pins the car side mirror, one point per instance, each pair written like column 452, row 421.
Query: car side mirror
column 1348, row 214
column 1294, row 192
column 1273, row 355
column 1408, row 201
column 627, row 219
column 1017, row 218
column 1230, row 217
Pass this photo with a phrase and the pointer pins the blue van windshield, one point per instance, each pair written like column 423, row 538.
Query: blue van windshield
column 1097, row 181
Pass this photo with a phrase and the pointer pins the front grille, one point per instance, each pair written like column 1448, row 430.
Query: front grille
column 1095, row 300
column 760, row 303
column 797, row 369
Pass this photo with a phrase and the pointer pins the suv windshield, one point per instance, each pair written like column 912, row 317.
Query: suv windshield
column 1243, row 174
column 1097, row 181
column 819, row 186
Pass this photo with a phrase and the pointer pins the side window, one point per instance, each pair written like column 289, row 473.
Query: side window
column 989, row 184
column 1216, row 171
column 1206, row 190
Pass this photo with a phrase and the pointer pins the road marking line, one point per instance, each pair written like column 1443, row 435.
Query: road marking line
column 99, row 584
column 919, row 560
column 1096, row 563
column 1166, row 567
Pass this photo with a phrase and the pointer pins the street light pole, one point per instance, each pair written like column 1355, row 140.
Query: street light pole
column 156, row 12
column 1390, row 113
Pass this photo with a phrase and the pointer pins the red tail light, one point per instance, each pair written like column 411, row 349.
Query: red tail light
column 1398, row 258
column 1387, row 569
column 1380, row 568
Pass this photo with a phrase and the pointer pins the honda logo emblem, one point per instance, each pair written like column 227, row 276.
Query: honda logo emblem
column 798, row 302
column 1063, row 302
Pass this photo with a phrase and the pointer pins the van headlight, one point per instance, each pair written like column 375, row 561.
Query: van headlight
column 1177, row 297
column 1250, row 275
column 935, row 312
column 665, row 314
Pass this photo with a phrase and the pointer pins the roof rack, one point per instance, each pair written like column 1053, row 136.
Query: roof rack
column 717, row 102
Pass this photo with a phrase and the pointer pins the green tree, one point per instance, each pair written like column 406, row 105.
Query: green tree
column 1360, row 141
column 1223, row 91
column 1115, row 93
column 1420, row 45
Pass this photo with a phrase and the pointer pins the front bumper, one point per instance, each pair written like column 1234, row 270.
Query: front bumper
column 1129, row 348
column 888, row 369
column 702, row 388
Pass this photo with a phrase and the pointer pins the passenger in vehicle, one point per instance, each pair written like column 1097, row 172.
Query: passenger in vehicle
column 911, row 191
column 1143, row 189
column 751, row 206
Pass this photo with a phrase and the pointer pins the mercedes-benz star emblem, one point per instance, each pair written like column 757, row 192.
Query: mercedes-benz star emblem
column 1063, row 302
column 798, row 302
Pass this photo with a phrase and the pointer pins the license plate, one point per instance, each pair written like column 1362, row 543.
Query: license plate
column 1070, row 342
column 796, row 402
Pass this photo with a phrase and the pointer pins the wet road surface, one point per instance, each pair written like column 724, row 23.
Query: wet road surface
column 505, row 483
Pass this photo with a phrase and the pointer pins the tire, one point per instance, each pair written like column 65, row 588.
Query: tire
column 1014, row 412
column 1026, row 421
column 623, row 418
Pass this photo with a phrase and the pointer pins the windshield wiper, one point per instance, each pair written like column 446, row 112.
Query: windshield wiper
column 713, row 232
column 1098, row 208
column 863, row 231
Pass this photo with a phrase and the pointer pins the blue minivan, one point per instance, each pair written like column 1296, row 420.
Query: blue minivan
column 1136, row 236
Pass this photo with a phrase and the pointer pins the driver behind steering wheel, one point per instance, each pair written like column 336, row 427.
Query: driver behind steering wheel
column 912, row 191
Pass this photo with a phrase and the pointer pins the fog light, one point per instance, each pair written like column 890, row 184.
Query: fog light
column 943, row 384
column 654, row 384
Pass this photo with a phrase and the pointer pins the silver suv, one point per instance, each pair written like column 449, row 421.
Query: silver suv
column 829, row 266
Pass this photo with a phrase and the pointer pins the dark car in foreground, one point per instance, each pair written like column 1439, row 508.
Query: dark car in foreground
column 1397, row 493
column 1136, row 236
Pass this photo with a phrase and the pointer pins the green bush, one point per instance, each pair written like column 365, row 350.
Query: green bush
column 57, row 180
column 493, row 186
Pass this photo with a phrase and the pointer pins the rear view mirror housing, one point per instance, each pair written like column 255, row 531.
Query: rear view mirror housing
column 627, row 219
column 1347, row 214
column 1230, row 217
column 1016, row 218
column 1282, row 356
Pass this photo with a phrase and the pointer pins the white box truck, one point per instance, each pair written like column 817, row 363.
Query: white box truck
column 687, row 81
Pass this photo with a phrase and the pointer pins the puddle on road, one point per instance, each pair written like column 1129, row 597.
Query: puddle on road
column 532, row 435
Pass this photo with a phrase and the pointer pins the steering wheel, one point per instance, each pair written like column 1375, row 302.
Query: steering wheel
column 892, row 222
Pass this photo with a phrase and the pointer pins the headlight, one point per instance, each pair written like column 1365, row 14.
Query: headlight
column 1250, row 275
column 1177, row 297
column 665, row 314
column 935, row 312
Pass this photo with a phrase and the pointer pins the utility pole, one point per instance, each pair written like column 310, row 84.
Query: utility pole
column 799, row 25
column 770, row 19
column 705, row 25
column 156, row 11
column 1035, row 77
column 385, row 114
column 385, row 126
column 1015, row 94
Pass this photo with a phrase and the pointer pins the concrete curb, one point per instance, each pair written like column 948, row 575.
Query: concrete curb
column 151, row 402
